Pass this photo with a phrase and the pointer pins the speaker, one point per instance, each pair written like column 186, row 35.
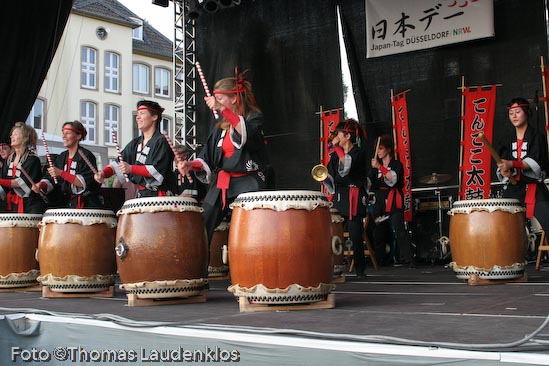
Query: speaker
column 163, row 3
column 211, row 6
column 425, row 234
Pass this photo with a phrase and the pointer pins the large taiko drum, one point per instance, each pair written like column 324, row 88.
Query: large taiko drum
column 220, row 239
column 18, row 243
column 337, row 234
column 76, row 250
column 488, row 238
column 280, row 247
column 162, row 249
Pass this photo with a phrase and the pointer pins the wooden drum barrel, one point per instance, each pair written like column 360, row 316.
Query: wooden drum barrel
column 76, row 250
column 280, row 247
column 220, row 239
column 18, row 266
column 337, row 232
column 161, row 249
column 488, row 238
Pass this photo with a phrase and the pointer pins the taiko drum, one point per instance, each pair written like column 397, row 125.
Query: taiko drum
column 220, row 240
column 161, row 248
column 280, row 247
column 18, row 244
column 76, row 250
column 488, row 238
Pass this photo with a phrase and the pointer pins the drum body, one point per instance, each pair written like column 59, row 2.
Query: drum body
column 76, row 250
column 337, row 232
column 280, row 247
column 161, row 249
column 488, row 238
column 220, row 239
column 18, row 266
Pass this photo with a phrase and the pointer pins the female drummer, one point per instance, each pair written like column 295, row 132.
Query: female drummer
column 234, row 157
column 386, row 178
column 74, row 169
column 146, row 160
column 525, row 159
column 21, row 172
column 346, row 178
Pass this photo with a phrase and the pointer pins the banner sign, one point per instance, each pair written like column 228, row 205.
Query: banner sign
column 476, row 163
column 403, row 150
column 396, row 26
column 329, row 120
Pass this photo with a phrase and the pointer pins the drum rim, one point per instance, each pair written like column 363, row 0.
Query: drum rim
column 79, row 212
column 277, row 193
column 487, row 202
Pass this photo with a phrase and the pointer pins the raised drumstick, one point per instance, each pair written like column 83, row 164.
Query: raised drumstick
column 205, row 85
column 48, row 157
column 115, row 141
column 494, row 153
column 175, row 153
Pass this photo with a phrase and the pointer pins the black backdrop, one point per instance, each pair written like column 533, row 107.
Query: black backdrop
column 291, row 46
column 30, row 31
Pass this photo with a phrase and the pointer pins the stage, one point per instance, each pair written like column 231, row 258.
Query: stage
column 395, row 316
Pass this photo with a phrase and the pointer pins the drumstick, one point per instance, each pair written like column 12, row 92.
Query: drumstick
column 48, row 157
column 87, row 161
column 205, row 85
column 31, row 181
column 115, row 140
column 494, row 153
column 175, row 153
column 377, row 147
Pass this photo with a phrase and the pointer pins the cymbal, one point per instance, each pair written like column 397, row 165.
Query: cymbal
column 435, row 178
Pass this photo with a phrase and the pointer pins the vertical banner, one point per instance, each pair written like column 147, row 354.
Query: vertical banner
column 545, row 79
column 329, row 120
column 476, row 159
column 402, row 147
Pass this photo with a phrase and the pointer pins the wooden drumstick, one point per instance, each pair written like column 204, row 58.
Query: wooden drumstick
column 115, row 140
column 175, row 153
column 377, row 147
column 494, row 153
column 205, row 85
column 48, row 157
column 87, row 161
column 31, row 181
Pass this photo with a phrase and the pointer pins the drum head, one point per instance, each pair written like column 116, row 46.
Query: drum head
column 160, row 204
column 83, row 217
column 19, row 220
column 282, row 200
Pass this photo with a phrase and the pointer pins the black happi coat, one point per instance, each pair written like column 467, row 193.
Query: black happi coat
column 157, row 156
column 69, row 194
column 382, row 188
column 249, row 158
column 343, row 175
column 23, row 196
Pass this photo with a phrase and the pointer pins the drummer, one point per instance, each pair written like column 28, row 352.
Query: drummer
column 234, row 157
column 188, row 187
column 21, row 172
column 525, row 161
column 73, row 170
column 148, row 159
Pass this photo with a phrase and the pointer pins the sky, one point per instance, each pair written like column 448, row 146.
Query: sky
column 163, row 20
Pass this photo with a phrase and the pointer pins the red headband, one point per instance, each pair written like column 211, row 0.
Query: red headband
column 143, row 107
column 517, row 106
column 70, row 128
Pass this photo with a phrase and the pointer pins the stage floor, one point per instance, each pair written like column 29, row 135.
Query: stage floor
column 426, row 306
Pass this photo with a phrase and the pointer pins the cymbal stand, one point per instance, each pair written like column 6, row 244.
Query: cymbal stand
column 443, row 241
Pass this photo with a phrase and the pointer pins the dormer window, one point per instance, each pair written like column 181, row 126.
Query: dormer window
column 137, row 33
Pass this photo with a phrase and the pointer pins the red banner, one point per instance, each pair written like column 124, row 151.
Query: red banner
column 329, row 121
column 476, row 159
column 403, row 150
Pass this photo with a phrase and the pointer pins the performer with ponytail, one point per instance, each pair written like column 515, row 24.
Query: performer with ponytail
column 234, row 157
column 386, row 178
column 347, row 171
column 146, row 160
column 524, row 157
column 21, row 172
column 74, row 169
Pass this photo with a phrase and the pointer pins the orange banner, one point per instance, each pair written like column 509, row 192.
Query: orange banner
column 403, row 150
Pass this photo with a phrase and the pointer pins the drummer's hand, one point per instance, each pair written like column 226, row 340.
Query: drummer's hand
column 375, row 163
column 54, row 171
column 504, row 168
column 36, row 188
column 99, row 177
column 125, row 167
column 213, row 104
column 184, row 167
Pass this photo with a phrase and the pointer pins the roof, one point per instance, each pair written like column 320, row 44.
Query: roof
column 154, row 43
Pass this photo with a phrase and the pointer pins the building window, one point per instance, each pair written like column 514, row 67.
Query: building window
column 140, row 78
column 166, row 125
column 36, row 115
column 112, row 72
column 137, row 33
column 162, row 82
column 89, row 67
column 112, row 119
column 88, row 113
